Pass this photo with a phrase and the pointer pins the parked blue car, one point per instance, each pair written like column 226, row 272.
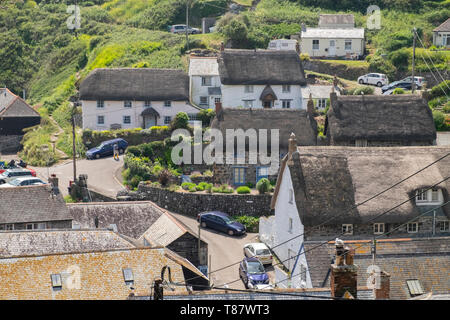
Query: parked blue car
column 106, row 148
column 252, row 272
column 220, row 221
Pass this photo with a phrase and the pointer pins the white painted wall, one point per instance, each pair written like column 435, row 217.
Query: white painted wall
column 306, row 46
column 234, row 95
column 197, row 90
column 440, row 39
column 285, row 210
column 114, row 111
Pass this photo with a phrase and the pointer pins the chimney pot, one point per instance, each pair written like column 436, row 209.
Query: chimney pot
column 292, row 148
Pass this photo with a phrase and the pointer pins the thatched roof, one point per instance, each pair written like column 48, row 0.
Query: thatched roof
column 330, row 181
column 396, row 117
column 140, row 84
column 286, row 120
column 261, row 67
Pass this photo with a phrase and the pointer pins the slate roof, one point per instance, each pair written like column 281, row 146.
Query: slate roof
column 138, row 220
column 445, row 26
column 203, row 66
column 40, row 242
column 331, row 19
column 140, row 84
column 333, row 33
column 101, row 274
column 395, row 117
column 12, row 105
column 32, row 204
column 424, row 259
column 260, row 67
column 330, row 181
column 286, row 120
column 317, row 91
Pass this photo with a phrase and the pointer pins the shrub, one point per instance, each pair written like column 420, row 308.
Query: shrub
column 378, row 64
column 400, row 58
column 69, row 199
column 156, row 169
column 164, row 177
column 441, row 89
column 192, row 189
column 134, row 182
column 203, row 186
column 363, row 90
column 263, row 185
column 250, row 185
column 135, row 151
column 174, row 187
column 446, row 107
column 206, row 115
column 208, row 173
column 304, row 57
column 181, row 121
column 250, row 223
column 226, row 189
column 209, row 188
column 398, row 91
column 243, row 190
column 439, row 120
column 187, row 185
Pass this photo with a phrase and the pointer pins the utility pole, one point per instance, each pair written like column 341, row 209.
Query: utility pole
column 187, row 25
column 199, row 248
column 73, row 145
column 413, row 84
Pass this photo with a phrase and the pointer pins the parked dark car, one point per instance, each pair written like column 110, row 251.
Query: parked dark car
column 220, row 221
column 399, row 84
column 252, row 272
column 106, row 148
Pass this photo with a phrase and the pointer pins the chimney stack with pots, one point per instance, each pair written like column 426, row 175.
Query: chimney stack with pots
column 343, row 273
column 292, row 149
column 382, row 291
column 310, row 106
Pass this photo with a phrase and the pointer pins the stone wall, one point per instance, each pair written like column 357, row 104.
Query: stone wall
column 339, row 69
column 383, row 143
column 10, row 144
column 193, row 203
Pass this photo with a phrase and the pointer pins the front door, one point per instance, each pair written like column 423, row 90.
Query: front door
column 267, row 103
column 332, row 48
column 149, row 122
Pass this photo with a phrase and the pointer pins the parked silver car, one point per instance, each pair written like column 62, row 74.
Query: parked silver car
column 22, row 181
column 11, row 174
column 377, row 79
column 181, row 29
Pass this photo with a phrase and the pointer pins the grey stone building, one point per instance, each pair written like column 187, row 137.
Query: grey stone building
column 33, row 207
column 375, row 121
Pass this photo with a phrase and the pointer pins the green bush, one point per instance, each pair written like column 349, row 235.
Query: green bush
column 243, row 190
column 441, row 89
column 134, row 182
column 379, row 64
column 400, row 59
column 439, row 120
column 250, row 185
column 192, row 189
column 187, row 185
column 363, row 90
column 135, row 151
column 181, row 121
column 250, row 223
column 263, row 185
column 398, row 91
column 203, row 186
column 446, row 107
column 206, row 115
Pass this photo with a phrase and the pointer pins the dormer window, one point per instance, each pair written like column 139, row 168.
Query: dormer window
column 427, row 197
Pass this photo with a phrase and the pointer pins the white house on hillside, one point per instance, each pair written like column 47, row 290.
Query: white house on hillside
column 134, row 98
column 441, row 35
column 336, row 36
column 282, row 44
column 204, row 81
column 261, row 79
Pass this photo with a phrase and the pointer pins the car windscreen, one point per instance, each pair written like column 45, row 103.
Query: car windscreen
column 227, row 219
column 262, row 252
column 15, row 182
column 255, row 267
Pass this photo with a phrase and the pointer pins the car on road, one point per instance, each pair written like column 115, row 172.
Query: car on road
column 220, row 221
column 399, row 84
column 106, row 148
column 377, row 79
column 181, row 29
column 11, row 174
column 420, row 81
column 259, row 251
column 252, row 273
column 23, row 181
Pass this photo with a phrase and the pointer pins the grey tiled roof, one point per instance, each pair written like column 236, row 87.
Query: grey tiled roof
column 32, row 204
column 445, row 26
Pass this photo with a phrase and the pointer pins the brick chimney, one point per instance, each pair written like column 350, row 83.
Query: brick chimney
column 383, row 292
column 343, row 272
column 292, row 149
column 310, row 106
column 54, row 183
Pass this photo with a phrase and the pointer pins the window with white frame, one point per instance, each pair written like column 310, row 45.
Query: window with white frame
column 167, row 120
column 127, row 104
column 126, row 119
column 286, row 104
column 100, row 104
column 434, row 195
column 378, row 228
column 206, row 81
column 216, row 100
column 56, row 281
column 128, row 276
column 425, row 197
column 203, row 100
column 286, row 88
column 321, row 103
column 100, row 119
column 422, row 195
column 6, row 227
column 348, row 45
column 347, row 229
column 315, row 44
column 444, row 226
column 36, row 226
column 413, row 227
column 167, row 103
column 290, row 225
column 147, row 104
column 360, row 143
column 248, row 103
column 248, row 89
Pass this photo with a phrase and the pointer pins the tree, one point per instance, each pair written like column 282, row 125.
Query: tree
column 263, row 185
column 236, row 30
column 181, row 121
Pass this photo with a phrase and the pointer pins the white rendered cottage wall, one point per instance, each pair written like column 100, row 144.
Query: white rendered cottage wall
column 306, row 46
column 287, row 226
column 114, row 112
column 198, row 90
column 234, row 95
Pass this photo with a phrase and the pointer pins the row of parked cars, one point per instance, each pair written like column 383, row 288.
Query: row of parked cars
column 251, row 269
column 381, row 80
column 18, row 177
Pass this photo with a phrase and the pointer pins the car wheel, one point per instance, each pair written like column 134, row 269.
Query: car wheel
column 97, row 156
column 231, row 232
column 361, row 81
column 120, row 151
column 203, row 224
column 379, row 84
